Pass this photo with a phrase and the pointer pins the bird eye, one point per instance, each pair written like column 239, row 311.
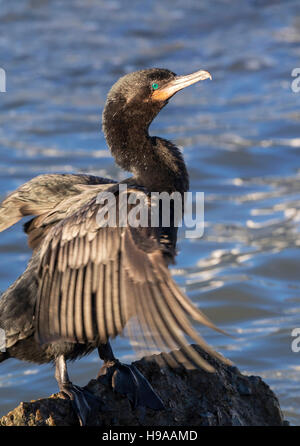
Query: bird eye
column 155, row 86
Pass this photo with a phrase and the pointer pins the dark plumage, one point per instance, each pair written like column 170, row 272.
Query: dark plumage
column 85, row 283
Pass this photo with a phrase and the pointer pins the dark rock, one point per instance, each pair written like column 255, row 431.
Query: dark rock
column 191, row 397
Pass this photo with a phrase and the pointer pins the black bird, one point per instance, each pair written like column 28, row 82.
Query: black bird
column 85, row 282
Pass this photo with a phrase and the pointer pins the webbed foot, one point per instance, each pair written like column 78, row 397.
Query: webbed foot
column 83, row 401
column 128, row 380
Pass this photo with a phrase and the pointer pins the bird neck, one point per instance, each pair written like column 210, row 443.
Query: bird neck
column 156, row 163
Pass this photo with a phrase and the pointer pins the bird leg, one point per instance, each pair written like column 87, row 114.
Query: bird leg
column 127, row 380
column 83, row 401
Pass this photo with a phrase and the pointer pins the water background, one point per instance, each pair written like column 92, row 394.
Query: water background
column 241, row 140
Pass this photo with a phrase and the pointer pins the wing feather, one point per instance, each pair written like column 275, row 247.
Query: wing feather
column 100, row 304
column 108, row 308
column 95, row 281
column 78, row 308
column 116, row 301
column 70, row 305
column 65, row 299
column 88, row 304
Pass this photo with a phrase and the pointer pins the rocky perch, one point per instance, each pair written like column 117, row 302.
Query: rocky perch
column 191, row 397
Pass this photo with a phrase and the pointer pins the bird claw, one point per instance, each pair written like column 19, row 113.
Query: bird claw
column 129, row 381
column 83, row 401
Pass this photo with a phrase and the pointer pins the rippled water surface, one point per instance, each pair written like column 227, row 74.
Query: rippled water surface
column 240, row 135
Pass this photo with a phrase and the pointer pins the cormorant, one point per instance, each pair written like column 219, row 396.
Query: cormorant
column 86, row 282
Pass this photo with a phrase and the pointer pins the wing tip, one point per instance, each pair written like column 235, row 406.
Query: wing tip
column 190, row 357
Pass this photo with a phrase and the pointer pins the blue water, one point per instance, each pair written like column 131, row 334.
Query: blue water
column 240, row 135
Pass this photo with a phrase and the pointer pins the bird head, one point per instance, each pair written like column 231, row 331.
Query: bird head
column 142, row 94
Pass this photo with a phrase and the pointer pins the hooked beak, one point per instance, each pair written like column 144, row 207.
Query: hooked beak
column 177, row 84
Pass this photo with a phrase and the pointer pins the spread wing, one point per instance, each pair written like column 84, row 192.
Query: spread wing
column 94, row 281
column 39, row 197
